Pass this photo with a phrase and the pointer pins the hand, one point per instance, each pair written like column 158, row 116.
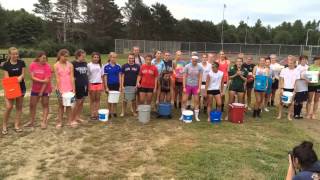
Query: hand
column 154, row 90
column 239, row 73
column 138, row 85
column 184, row 90
column 19, row 78
column 198, row 90
column 290, row 160
column 73, row 90
column 107, row 89
column 45, row 80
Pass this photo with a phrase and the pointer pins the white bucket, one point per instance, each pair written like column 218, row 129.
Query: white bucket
column 187, row 116
column 68, row 99
column 113, row 96
column 287, row 97
column 144, row 113
column 312, row 76
column 103, row 115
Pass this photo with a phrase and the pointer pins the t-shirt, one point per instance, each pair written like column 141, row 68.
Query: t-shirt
column 95, row 73
column 224, row 68
column 206, row 70
column 168, row 65
column 249, row 67
column 301, row 84
column 42, row 72
column 289, row 76
column 215, row 80
column 310, row 173
column 80, row 71
column 112, row 72
column 16, row 70
column 192, row 74
column 179, row 70
column 160, row 65
column 314, row 68
column 148, row 75
column 237, row 82
column 139, row 60
column 130, row 73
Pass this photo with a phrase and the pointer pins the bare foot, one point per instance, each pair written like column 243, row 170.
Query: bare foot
column 309, row 116
column 59, row 126
column 135, row 114
column 289, row 118
column 279, row 117
column 313, row 116
column 79, row 120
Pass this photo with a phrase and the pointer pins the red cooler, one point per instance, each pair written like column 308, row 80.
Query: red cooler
column 236, row 113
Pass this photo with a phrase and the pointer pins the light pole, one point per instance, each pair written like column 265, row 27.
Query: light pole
column 308, row 36
column 224, row 7
column 245, row 38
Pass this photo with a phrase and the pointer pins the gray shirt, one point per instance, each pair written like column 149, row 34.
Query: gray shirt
column 192, row 74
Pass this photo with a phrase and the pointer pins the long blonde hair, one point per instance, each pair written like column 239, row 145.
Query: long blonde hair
column 10, row 51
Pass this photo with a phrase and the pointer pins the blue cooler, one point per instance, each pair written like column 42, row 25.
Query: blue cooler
column 260, row 83
column 215, row 116
column 164, row 109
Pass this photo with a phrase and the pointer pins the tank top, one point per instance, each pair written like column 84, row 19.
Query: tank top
column 261, row 71
column 64, row 77
column 224, row 68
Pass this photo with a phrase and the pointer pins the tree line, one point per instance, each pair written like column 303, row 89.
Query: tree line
column 94, row 24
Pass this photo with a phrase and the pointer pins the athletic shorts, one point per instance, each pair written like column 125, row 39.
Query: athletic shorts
column 165, row 90
column 113, row 87
column 213, row 92
column 275, row 84
column 288, row 90
column 192, row 90
column 146, row 90
column 95, row 87
column 249, row 85
column 301, row 97
column 259, row 91
column 179, row 87
column 37, row 94
column 314, row 89
column 81, row 92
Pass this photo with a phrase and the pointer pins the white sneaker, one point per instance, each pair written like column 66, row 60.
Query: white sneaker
column 197, row 119
column 249, row 108
column 181, row 118
column 266, row 110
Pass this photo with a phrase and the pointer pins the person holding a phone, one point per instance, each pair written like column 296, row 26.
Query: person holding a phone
column 304, row 159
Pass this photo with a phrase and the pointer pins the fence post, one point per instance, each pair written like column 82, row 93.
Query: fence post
column 189, row 48
column 259, row 49
column 144, row 46
column 301, row 50
column 279, row 50
column 240, row 47
column 205, row 47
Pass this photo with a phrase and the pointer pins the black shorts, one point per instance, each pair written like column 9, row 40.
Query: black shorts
column 275, row 84
column 165, row 90
column 314, row 89
column 249, row 85
column 288, row 90
column 113, row 87
column 237, row 89
column 213, row 92
column 203, row 83
column 259, row 91
column 301, row 97
column 81, row 92
column 146, row 90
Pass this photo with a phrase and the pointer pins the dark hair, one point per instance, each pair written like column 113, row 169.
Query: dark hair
column 97, row 54
column 303, row 57
column 62, row 52
column 305, row 154
column 215, row 64
column 78, row 53
column 155, row 52
column 148, row 56
column 39, row 55
column 316, row 58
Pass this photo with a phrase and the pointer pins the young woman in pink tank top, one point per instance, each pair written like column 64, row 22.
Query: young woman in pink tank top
column 224, row 64
column 64, row 83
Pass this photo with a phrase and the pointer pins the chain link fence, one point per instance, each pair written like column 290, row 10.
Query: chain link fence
column 124, row 46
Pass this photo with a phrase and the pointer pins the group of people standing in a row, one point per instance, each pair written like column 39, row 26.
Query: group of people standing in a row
column 158, row 78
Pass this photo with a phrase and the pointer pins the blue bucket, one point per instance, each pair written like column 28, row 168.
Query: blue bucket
column 187, row 116
column 164, row 109
column 215, row 116
column 260, row 83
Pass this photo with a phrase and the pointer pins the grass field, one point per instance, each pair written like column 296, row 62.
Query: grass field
column 162, row 149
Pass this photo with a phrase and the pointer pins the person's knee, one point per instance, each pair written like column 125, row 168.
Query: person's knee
column 9, row 107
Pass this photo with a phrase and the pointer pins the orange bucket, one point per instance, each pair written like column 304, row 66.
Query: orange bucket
column 11, row 88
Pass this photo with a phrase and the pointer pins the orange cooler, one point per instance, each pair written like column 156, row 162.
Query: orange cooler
column 11, row 88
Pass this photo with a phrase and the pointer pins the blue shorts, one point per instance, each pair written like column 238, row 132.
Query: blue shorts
column 37, row 94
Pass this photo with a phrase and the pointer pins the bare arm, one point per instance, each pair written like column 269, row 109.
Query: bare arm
column 72, row 79
column 56, row 76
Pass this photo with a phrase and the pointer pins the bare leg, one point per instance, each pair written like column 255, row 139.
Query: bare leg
column 19, row 105
column 92, row 103
column 33, row 107
column 290, row 110
column 9, row 107
column 60, row 114
column 315, row 105
column 149, row 98
column 309, row 108
column 209, row 107
column 280, row 110
column 45, row 106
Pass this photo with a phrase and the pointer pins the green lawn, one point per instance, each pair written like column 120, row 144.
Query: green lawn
column 162, row 149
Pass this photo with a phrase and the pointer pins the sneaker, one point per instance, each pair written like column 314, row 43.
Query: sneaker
column 249, row 108
column 266, row 110
column 197, row 119
column 181, row 118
